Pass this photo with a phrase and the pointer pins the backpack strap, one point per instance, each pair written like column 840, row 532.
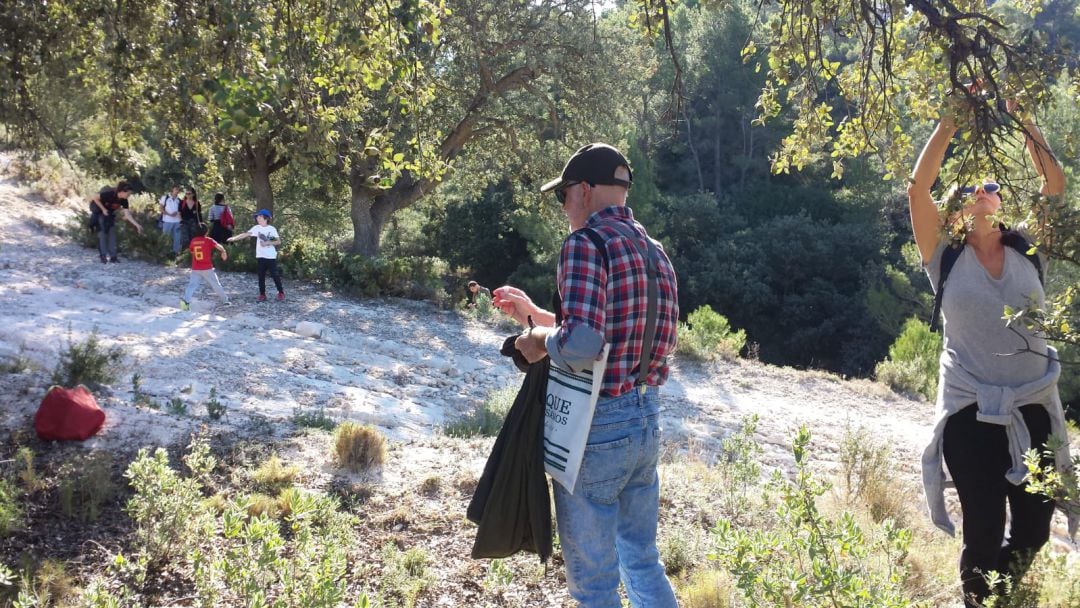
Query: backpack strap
column 1009, row 238
column 652, row 262
column 948, row 260
column 1016, row 240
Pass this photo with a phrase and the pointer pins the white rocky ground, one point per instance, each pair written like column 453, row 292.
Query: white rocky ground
column 404, row 366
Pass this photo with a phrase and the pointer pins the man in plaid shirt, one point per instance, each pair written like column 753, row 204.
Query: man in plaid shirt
column 607, row 525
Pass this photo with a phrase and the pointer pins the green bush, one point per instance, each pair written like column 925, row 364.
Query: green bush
column 87, row 362
column 11, row 515
column 486, row 419
column 405, row 574
column 86, row 485
column 707, row 335
column 53, row 177
column 912, row 365
column 809, row 559
column 168, row 511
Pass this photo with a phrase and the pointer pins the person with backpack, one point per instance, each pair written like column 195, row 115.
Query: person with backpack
column 170, row 217
column 608, row 521
column 221, row 219
column 991, row 408
column 266, row 243
column 103, row 209
column 202, row 268
column 190, row 216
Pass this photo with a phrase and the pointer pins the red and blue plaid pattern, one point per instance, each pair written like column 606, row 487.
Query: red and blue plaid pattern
column 615, row 306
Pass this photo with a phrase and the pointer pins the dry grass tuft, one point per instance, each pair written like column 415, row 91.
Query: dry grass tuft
column 358, row 447
column 274, row 474
column 708, row 589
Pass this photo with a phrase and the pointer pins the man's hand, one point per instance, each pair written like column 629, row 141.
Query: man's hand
column 532, row 343
column 515, row 303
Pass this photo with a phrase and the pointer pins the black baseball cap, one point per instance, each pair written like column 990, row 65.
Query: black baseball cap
column 594, row 163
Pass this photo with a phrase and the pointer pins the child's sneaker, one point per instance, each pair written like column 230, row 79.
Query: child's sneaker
column 261, row 298
column 226, row 304
column 281, row 296
column 184, row 305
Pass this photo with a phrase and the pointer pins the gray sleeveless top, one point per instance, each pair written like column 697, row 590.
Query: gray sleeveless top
column 975, row 336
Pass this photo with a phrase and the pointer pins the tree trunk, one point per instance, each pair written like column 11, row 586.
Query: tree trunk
column 370, row 208
column 717, row 161
column 261, row 161
column 366, row 229
column 693, row 152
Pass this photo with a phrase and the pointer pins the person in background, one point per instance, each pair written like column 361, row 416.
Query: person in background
column 104, row 207
column 266, row 243
column 170, row 217
column 991, row 408
column 190, row 216
column 221, row 219
column 476, row 289
column 608, row 521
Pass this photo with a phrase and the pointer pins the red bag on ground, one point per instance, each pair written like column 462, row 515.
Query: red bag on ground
column 68, row 413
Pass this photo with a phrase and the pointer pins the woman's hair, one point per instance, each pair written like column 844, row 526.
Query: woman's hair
column 194, row 194
column 218, row 198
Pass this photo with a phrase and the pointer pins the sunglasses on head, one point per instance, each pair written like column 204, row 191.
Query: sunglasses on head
column 988, row 187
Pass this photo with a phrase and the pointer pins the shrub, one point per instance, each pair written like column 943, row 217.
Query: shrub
column 28, row 474
column 55, row 178
column 215, row 409
column 176, row 407
column 249, row 560
column 912, row 365
column 740, row 470
column 316, row 419
column 11, row 513
column 808, row 559
column 499, row 576
column 869, row 476
column 707, row 335
column 168, row 510
column 18, row 363
column 44, row 584
column 707, row 589
column 679, row 550
column 486, row 419
column 405, row 574
column 358, row 447
column 86, row 485
column 275, row 474
column 87, row 362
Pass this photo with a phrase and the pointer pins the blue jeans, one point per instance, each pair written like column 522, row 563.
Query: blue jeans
column 172, row 229
column 197, row 277
column 607, row 527
column 107, row 236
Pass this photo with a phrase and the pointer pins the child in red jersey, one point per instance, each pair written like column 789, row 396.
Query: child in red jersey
column 202, row 267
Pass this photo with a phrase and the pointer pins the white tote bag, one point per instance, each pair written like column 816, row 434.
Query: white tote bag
column 571, row 399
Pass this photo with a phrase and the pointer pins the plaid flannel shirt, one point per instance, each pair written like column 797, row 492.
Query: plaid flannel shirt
column 599, row 308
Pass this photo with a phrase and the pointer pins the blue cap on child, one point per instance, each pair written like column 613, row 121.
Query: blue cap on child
column 263, row 212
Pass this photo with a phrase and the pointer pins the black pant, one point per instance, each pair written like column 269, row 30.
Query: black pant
column 977, row 454
column 264, row 264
